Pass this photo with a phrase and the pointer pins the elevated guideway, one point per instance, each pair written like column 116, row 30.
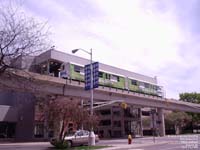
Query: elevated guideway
column 37, row 83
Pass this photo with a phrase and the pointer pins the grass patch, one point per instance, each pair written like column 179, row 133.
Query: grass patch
column 82, row 148
column 88, row 147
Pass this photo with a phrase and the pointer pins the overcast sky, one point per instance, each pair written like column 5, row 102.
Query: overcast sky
column 152, row 37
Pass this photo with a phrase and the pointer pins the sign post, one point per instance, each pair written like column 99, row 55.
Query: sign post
column 91, row 81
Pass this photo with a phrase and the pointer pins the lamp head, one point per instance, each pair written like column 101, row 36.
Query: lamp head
column 74, row 50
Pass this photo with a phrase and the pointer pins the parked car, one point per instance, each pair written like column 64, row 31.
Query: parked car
column 80, row 137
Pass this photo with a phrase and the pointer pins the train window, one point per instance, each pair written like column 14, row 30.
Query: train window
column 155, row 87
column 159, row 88
column 100, row 74
column 78, row 69
column 107, row 76
column 146, row 85
column 133, row 82
column 141, row 85
column 115, row 78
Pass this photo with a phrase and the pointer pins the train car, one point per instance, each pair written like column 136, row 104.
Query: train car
column 72, row 71
column 76, row 72
column 143, row 87
column 108, row 79
column 111, row 80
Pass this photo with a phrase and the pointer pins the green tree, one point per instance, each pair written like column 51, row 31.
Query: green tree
column 192, row 98
column 177, row 120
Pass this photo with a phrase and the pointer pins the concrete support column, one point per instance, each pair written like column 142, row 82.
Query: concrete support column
column 140, row 121
column 48, row 67
column 122, row 123
column 161, row 121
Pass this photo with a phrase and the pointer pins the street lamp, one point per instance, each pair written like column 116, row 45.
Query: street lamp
column 92, row 135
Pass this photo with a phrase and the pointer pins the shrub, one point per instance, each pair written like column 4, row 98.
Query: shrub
column 59, row 144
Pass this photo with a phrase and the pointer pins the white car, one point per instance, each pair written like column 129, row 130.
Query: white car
column 80, row 137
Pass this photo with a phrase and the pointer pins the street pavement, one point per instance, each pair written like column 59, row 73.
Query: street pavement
column 182, row 142
column 186, row 142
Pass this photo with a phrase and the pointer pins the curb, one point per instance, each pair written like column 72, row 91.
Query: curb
column 24, row 143
column 132, row 146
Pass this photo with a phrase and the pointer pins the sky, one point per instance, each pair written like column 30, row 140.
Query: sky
column 150, row 37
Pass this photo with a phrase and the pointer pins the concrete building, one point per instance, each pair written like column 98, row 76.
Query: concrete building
column 17, row 117
column 118, row 122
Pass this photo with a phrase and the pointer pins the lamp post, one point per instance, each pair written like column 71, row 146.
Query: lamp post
column 91, row 140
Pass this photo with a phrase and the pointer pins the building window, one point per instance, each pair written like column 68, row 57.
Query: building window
column 39, row 130
column 117, row 123
column 105, row 123
column 117, row 133
column 146, row 85
column 7, row 130
column 116, row 113
column 128, row 112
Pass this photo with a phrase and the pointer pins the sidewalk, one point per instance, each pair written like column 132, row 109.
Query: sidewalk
column 116, row 146
column 133, row 145
column 23, row 143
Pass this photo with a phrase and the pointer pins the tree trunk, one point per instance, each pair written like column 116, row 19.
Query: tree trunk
column 177, row 129
column 61, row 137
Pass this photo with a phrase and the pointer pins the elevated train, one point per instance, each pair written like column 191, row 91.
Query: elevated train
column 76, row 72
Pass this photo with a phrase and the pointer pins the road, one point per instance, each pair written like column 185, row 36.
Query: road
column 186, row 142
column 183, row 142
column 158, row 147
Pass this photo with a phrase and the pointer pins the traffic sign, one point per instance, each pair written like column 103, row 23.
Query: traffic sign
column 95, row 73
column 87, row 71
column 95, row 70
column 124, row 105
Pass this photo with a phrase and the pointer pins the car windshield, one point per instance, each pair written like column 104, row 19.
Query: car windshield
column 78, row 133
column 81, row 133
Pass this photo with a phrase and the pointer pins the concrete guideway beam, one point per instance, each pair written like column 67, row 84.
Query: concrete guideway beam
column 33, row 82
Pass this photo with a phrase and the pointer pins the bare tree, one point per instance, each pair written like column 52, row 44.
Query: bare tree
column 20, row 35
